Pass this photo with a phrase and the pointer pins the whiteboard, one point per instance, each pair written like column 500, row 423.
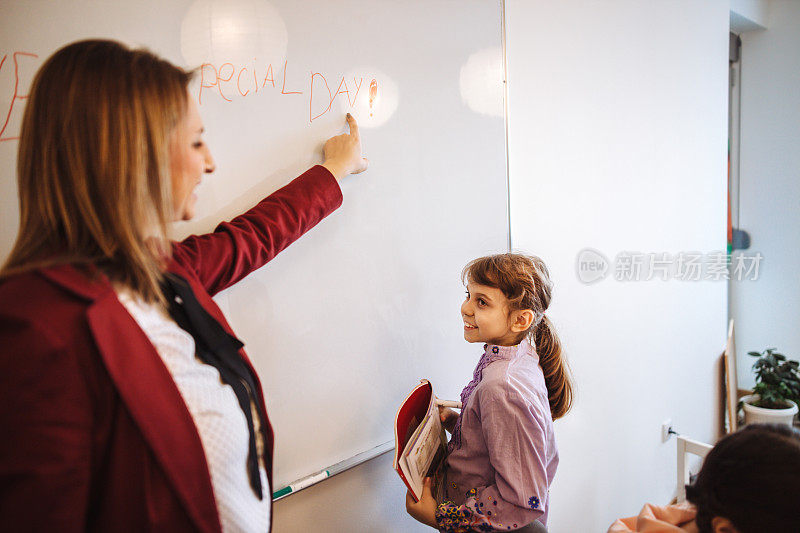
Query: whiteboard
column 343, row 323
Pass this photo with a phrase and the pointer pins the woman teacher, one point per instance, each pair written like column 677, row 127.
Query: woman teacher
column 126, row 402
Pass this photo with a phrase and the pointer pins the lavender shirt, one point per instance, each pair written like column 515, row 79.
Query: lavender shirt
column 502, row 455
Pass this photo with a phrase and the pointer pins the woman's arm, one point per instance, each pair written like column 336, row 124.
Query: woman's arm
column 249, row 241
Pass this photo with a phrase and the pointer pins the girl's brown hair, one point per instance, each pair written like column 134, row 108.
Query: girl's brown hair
column 93, row 163
column 525, row 281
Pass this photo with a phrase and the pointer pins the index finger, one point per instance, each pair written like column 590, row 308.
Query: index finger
column 351, row 121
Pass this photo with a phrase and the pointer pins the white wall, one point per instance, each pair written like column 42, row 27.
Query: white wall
column 766, row 310
column 367, row 499
column 618, row 142
column 747, row 15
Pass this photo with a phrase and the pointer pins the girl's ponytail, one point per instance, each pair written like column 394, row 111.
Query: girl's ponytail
column 554, row 367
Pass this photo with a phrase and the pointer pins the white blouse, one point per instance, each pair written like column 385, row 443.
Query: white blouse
column 215, row 410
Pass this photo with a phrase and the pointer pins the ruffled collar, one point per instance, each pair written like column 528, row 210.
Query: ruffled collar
column 499, row 353
column 495, row 352
column 491, row 353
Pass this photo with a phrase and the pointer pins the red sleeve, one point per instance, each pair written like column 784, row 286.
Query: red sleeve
column 249, row 241
column 46, row 421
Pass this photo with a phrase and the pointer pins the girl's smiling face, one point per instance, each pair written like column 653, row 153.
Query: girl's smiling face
column 487, row 317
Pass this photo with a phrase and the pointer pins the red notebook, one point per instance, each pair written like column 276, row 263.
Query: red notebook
column 420, row 442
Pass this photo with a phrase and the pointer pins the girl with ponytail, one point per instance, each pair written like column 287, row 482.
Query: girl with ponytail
column 502, row 454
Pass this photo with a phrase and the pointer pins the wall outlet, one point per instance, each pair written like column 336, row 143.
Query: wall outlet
column 666, row 427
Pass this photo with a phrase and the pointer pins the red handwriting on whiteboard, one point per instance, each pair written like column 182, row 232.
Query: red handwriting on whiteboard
column 229, row 79
column 283, row 90
column 16, row 96
column 342, row 89
column 331, row 96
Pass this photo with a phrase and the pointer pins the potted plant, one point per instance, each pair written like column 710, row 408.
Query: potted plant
column 777, row 390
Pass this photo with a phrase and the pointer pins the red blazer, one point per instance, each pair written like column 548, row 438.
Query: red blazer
column 94, row 434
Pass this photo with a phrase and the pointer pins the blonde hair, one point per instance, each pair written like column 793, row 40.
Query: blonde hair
column 525, row 281
column 93, row 167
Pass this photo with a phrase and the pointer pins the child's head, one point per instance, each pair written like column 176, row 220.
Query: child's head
column 507, row 296
column 750, row 482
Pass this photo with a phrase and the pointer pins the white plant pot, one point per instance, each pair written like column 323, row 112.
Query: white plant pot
column 761, row 415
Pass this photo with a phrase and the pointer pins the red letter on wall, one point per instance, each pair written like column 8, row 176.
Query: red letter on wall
column 16, row 96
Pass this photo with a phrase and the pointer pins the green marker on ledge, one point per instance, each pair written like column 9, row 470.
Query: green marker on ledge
column 333, row 470
column 301, row 484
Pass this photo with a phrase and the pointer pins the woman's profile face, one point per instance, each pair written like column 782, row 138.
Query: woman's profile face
column 190, row 158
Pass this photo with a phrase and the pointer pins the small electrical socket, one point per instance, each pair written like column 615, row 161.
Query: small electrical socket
column 666, row 427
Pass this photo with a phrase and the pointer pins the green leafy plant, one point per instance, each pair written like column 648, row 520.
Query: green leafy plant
column 777, row 379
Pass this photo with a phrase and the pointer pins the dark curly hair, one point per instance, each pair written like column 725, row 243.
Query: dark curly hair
column 752, row 478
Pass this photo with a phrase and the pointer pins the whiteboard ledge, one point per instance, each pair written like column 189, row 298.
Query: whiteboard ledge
column 331, row 471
